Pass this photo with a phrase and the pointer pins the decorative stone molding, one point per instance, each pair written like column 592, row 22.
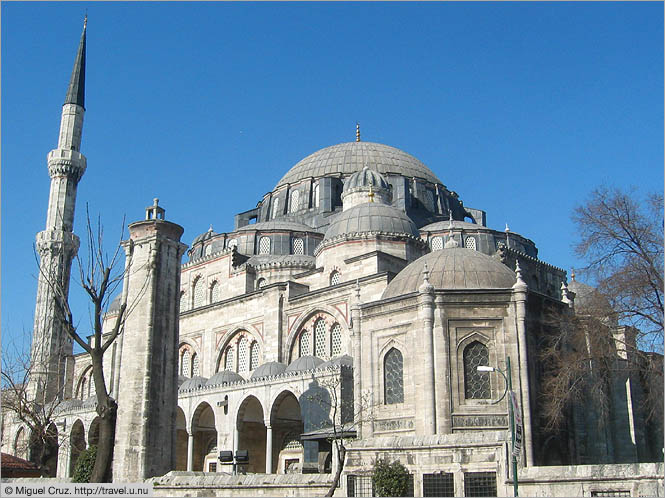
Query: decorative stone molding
column 469, row 421
column 369, row 236
column 63, row 162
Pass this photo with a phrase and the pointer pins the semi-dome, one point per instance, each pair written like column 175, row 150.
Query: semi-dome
column 224, row 377
column 269, row 369
column 193, row 383
column 365, row 178
column 304, row 364
column 351, row 157
column 455, row 268
column 372, row 217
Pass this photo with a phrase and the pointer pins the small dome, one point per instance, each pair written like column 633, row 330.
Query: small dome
column 224, row 377
column 192, row 383
column 350, row 157
column 115, row 304
column 181, row 379
column 342, row 361
column 372, row 217
column 270, row 369
column 365, row 178
column 588, row 297
column 209, row 234
column 304, row 364
column 454, row 268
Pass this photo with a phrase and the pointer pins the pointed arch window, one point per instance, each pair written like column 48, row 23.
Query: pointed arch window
column 476, row 384
column 199, row 292
column 253, row 356
column 195, row 365
column 275, row 207
column 470, row 243
column 335, row 278
column 393, row 377
column 183, row 302
column 214, row 292
column 185, row 363
column 316, row 194
column 229, row 360
column 295, row 201
column 320, row 339
column 335, row 340
column 305, row 343
column 242, row 354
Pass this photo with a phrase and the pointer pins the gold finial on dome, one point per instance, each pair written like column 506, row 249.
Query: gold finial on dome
column 357, row 131
column 572, row 274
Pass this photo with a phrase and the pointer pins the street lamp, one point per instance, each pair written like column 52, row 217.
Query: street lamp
column 509, row 387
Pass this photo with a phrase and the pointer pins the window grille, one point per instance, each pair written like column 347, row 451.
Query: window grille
column 229, row 363
column 261, row 283
column 295, row 201
column 275, row 207
column 476, row 384
column 359, row 485
column 441, row 484
column 185, row 364
column 615, row 492
column 264, row 245
column 199, row 293
column 183, row 302
column 316, row 195
column 231, row 243
column 253, row 356
column 320, row 339
column 195, row 365
column 242, row 354
column 480, row 484
column 336, row 340
column 393, row 370
column 305, row 341
column 298, row 247
column 335, row 278
column 212, row 467
column 470, row 243
column 437, row 243
column 214, row 292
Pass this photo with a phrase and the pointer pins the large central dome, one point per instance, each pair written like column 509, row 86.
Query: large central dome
column 350, row 157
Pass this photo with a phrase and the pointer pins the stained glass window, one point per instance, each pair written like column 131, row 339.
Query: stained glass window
column 476, row 384
column 393, row 376
column 335, row 278
column 264, row 245
column 320, row 339
column 229, row 363
column 305, row 342
column 470, row 243
column 253, row 356
column 298, row 246
column 437, row 243
column 242, row 354
column 199, row 292
column 336, row 340
column 214, row 292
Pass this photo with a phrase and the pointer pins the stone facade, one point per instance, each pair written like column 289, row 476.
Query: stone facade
column 362, row 301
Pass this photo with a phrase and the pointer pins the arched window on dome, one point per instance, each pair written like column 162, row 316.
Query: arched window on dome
column 298, row 246
column 295, row 201
column 470, row 242
column 198, row 290
column 275, row 207
column 305, row 343
column 393, row 377
column 335, row 278
column 436, row 243
column 214, row 292
column 315, row 195
column 476, row 384
column 264, row 245
column 320, row 339
column 208, row 250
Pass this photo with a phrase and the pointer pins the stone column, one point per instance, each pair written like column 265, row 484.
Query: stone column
column 145, row 440
column 268, row 448
column 445, row 425
column 356, row 345
column 190, row 451
column 426, row 318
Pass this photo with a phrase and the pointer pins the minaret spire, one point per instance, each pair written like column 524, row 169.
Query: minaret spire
column 57, row 244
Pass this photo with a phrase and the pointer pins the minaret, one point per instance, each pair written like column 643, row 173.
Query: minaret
column 57, row 245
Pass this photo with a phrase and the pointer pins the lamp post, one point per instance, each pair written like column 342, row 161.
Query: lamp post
column 509, row 387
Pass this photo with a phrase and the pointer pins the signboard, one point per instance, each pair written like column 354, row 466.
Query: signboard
column 517, row 424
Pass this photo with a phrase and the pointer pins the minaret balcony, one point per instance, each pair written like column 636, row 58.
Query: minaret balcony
column 64, row 162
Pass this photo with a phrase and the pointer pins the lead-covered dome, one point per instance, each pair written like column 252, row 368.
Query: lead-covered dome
column 351, row 157
column 455, row 268
column 365, row 178
column 372, row 217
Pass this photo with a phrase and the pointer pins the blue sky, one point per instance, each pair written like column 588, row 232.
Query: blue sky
column 521, row 108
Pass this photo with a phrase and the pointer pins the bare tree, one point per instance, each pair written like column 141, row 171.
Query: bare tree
column 621, row 239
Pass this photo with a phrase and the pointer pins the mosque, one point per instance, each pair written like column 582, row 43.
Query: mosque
column 357, row 299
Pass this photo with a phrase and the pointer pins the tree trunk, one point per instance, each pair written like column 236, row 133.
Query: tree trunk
column 106, row 409
column 341, row 454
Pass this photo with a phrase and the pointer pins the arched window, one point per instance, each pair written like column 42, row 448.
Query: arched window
column 231, row 243
column 253, row 356
column 185, row 363
column 195, row 365
column 335, row 340
column 298, row 246
column 275, row 207
column 91, row 385
column 229, row 360
column 82, row 388
column 199, row 292
column 316, row 194
column 393, row 377
column 183, row 302
column 335, row 278
column 429, row 200
column 305, row 343
column 436, row 243
column 295, row 201
column 320, row 339
column 208, row 250
column 476, row 384
column 242, row 354
column 264, row 245
column 260, row 283
column 470, row 243
column 214, row 292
